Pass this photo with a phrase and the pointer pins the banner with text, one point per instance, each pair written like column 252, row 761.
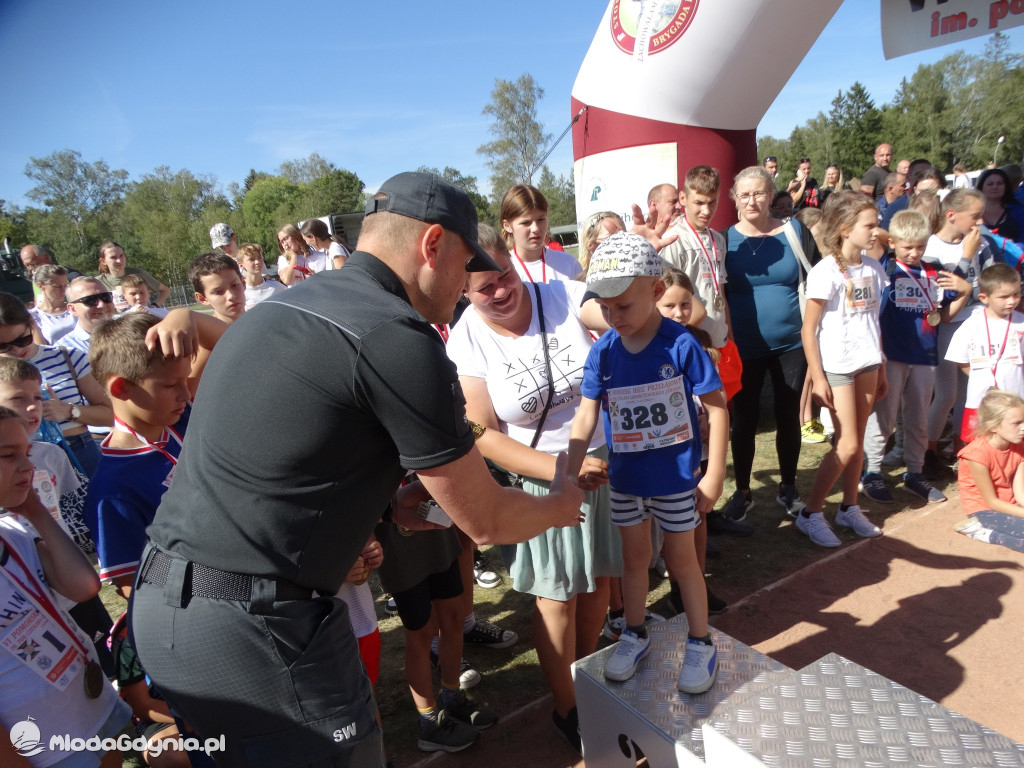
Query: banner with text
column 914, row 25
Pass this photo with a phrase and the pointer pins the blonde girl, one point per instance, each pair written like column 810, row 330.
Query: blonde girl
column 597, row 228
column 992, row 473
column 297, row 260
column 842, row 343
column 524, row 224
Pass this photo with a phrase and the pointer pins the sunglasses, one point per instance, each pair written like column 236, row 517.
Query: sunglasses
column 21, row 343
column 91, row 301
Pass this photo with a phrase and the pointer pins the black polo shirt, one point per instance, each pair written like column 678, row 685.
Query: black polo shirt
column 310, row 410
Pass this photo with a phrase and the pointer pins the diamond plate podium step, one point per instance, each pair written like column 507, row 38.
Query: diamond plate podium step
column 837, row 714
column 647, row 714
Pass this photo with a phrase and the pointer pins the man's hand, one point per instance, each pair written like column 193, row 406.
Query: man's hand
column 571, row 494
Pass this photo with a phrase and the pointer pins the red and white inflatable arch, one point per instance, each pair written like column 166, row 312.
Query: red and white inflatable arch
column 669, row 84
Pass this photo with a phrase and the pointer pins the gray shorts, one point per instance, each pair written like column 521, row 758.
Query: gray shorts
column 846, row 379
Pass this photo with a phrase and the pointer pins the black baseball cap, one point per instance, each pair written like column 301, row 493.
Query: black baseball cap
column 429, row 198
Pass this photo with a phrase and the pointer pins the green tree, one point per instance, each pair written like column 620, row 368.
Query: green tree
column 163, row 212
column 855, row 123
column 306, row 170
column 519, row 142
column 337, row 191
column 269, row 205
column 80, row 199
column 561, row 195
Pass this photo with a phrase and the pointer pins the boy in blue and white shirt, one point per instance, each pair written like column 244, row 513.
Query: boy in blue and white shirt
column 642, row 374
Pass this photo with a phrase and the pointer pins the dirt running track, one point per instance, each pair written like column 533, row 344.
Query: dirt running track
column 923, row 605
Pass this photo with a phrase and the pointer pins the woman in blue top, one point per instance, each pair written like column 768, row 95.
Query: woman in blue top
column 763, row 278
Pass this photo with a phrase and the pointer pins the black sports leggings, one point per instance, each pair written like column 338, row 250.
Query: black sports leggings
column 787, row 370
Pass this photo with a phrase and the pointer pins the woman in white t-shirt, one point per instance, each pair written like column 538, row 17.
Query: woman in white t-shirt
column 499, row 348
column 297, row 261
column 843, row 345
column 957, row 247
column 524, row 221
column 319, row 238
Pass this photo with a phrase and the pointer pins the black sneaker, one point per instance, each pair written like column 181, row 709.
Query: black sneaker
column 790, row 500
column 446, row 735
column 465, row 710
column 720, row 524
column 490, row 635
column 569, row 727
column 737, row 506
column 391, row 607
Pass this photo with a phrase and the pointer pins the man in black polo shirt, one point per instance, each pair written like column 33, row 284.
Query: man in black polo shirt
column 309, row 414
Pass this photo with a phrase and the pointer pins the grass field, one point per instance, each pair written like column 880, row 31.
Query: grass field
column 512, row 677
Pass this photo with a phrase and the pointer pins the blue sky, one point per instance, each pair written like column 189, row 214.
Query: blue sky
column 222, row 87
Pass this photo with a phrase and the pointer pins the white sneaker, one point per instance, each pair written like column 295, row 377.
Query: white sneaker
column 853, row 517
column 621, row 665
column 700, row 667
column 816, row 527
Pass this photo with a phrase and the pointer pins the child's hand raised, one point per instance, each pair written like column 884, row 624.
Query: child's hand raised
column 176, row 335
column 972, row 241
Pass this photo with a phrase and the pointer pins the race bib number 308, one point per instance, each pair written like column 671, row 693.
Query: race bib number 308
column 649, row 416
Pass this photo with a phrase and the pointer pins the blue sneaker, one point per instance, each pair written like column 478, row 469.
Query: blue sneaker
column 873, row 486
column 621, row 665
column 700, row 667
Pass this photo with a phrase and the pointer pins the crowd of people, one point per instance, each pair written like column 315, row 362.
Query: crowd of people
column 449, row 386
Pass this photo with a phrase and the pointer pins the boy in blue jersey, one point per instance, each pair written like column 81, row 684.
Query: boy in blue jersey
column 643, row 374
column 917, row 298
column 147, row 367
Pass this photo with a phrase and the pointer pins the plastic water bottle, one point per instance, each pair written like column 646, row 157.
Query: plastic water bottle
column 48, row 432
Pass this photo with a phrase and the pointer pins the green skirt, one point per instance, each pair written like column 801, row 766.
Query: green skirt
column 563, row 562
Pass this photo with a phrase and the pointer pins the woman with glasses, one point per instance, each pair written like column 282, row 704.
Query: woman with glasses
column 113, row 267
column 51, row 314
column 76, row 400
column 762, row 289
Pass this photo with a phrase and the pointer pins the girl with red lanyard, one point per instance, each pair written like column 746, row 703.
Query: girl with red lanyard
column 524, row 221
column 49, row 684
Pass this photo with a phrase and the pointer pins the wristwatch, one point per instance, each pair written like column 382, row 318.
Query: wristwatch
column 76, row 412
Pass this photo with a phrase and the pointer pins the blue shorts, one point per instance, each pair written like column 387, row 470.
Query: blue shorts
column 675, row 513
column 118, row 721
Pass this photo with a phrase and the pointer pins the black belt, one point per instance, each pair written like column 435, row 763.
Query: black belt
column 206, row 581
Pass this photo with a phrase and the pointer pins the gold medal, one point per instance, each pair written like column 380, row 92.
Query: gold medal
column 93, row 680
column 719, row 302
column 933, row 317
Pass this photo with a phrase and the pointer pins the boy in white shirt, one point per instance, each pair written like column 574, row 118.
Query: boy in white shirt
column 987, row 345
column 257, row 288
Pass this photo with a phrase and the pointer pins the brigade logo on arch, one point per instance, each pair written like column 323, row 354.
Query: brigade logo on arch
column 656, row 23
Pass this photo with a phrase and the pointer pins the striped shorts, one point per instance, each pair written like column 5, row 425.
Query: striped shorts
column 675, row 513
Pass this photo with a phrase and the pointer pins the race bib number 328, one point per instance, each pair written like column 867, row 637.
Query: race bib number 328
column 649, row 416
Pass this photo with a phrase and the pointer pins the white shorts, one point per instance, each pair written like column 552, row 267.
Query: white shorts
column 676, row 513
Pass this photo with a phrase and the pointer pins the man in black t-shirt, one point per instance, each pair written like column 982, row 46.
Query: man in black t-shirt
column 872, row 183
column 310, row 413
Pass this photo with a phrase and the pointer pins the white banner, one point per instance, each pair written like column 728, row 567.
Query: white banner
column 914, row 25
column 614, row 181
